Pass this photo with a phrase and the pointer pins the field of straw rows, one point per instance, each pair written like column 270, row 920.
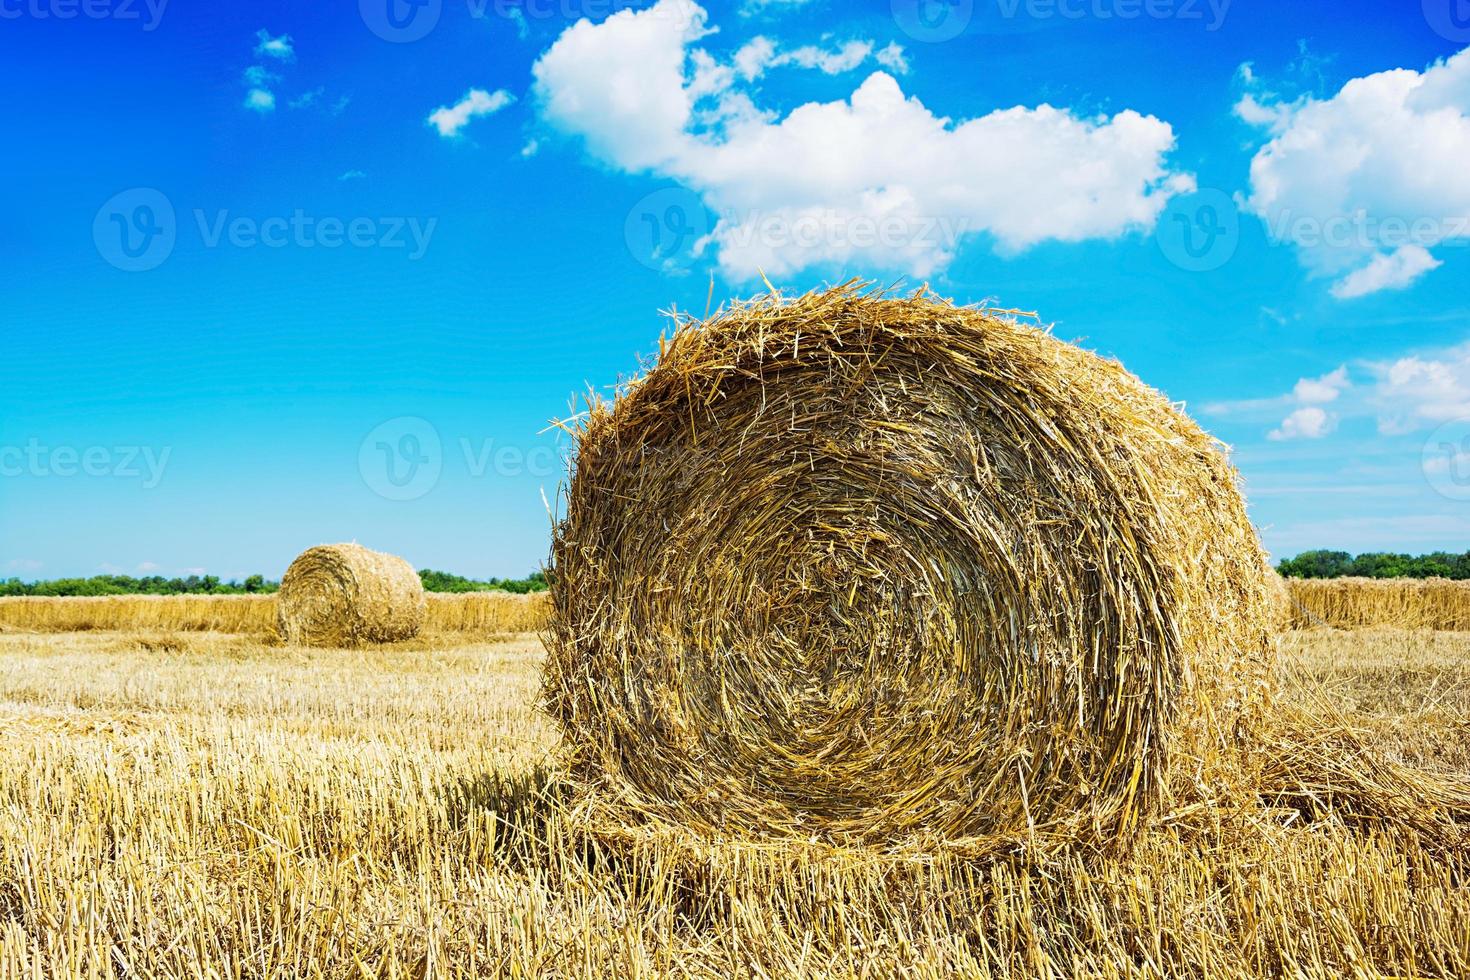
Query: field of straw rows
column 183, row 795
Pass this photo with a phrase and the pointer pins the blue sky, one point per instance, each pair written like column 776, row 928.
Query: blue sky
column 277, row 274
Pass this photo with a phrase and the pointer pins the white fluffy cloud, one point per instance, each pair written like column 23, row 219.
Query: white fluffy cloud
column 1366, row 182
column 260, row 81
column 761, row 54
column 1304, row 423
column 260, row 99
column 1449, row 460
column 279, row 48
column 1411, row 393
column 875, row 177
column 1309, row 420
column 752, row 7
column 1398, row 269
column 1318, row 391
column 1420, row 390
column 449, row 120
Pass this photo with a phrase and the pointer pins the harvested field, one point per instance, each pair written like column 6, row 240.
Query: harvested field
column 1331, row 603
column 1350, row 603
column 186, row 804
column 482, row 613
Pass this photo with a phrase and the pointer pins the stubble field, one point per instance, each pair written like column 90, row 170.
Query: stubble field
column 212, row 804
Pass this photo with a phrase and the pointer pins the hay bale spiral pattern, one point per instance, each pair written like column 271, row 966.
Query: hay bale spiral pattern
column 881, row 568
column 348, row 595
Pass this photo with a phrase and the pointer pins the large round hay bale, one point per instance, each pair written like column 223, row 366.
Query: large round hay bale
column 888, row 568
column 347, row 595
column 1279, row 601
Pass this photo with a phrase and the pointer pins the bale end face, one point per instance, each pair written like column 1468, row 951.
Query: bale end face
column 888, row 568
column 347, row 595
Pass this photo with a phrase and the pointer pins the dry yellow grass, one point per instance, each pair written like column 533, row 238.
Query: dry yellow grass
column 1350, row 603
column 1338, row 603
column 197, row 804
column 482, row 613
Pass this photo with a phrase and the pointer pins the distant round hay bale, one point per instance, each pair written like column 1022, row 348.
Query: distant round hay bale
column 347, row 595
column 884, row 568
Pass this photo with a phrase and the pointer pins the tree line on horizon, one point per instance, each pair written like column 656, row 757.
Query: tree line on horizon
column 103, row 585
column 1376, row 564
column 1319, row 563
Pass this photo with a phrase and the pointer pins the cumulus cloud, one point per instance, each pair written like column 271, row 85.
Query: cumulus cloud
column 1304, row 423
column 449, row 120
column 1420, row 390
column 260, row 99
column 260, row 81
column 761, row 54
column 1450, row 459
column 279, row 48
column 1316, row 391
column 893, row 58
column 1309, row 420
column 1410, row 393
column 874, row 177
column 1398, row 269
column 751, row 8
column 1367, row 182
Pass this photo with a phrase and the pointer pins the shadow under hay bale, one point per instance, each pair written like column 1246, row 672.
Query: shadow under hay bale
column 887, row 569
column 347, row 595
